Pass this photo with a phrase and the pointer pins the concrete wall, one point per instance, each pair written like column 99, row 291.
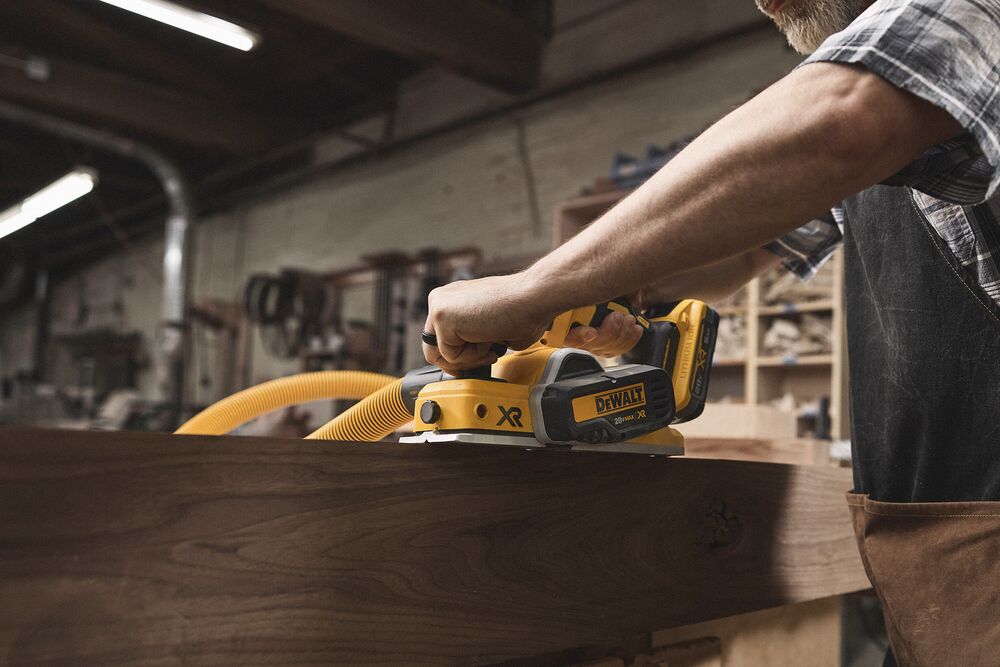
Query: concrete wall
column 467, row 187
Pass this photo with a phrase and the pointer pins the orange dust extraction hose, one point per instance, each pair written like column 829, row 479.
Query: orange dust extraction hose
column 370, row 420
column 241, row 407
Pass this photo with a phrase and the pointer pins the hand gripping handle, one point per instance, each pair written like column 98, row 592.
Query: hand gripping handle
column 498, row 349
column 482, row 372
column 587, row 316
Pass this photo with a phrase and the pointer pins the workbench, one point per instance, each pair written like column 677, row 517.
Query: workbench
column 147, row 548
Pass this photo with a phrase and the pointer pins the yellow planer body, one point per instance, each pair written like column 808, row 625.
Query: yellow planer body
column 553, row 396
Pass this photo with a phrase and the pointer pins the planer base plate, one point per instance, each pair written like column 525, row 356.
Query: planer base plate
column 527, row 442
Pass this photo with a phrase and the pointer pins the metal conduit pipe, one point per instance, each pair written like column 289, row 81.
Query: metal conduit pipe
column 176, row 257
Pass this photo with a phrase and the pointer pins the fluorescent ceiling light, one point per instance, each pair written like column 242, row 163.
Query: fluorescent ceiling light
column 207, row 26
column 55, row 195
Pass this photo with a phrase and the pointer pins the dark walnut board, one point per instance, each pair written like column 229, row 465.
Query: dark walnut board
column 137, row 548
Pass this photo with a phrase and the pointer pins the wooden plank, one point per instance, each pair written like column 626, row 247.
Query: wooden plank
column 739, row 420
column 802, row 634
column 798, row 451
column 112, row 98
column 472, row 37
column 143, row 548
column 702, row 652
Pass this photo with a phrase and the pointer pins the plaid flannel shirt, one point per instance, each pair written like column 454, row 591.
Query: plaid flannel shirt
column 947, row 52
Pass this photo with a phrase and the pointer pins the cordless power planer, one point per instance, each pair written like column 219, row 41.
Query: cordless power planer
column 553, row 396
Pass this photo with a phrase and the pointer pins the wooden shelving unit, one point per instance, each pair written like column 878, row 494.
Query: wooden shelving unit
column 755, row 377
column 826, row 305
column 795, row 360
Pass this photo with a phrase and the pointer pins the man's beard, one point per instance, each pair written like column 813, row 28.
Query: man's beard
column 807, row 23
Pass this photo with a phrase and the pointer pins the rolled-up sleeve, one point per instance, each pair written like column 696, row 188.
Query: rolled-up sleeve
column 944, row 51
column 804, row 250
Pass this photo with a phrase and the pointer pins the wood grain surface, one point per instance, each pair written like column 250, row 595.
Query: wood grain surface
column 800, row 451
column 129, row 548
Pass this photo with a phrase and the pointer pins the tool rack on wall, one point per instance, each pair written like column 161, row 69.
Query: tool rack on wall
column 748, row 375
column 385, row 285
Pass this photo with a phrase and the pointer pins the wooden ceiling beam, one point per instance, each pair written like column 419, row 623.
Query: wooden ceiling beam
column 472, row 37
column 69, row 22
column 289, row 53
column 117, row 100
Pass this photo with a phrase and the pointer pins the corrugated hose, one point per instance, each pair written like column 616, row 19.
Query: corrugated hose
column 381, row 412
column 370, row 420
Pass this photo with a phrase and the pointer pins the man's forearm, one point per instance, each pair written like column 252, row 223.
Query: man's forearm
column 714, row 282
column 819, row 135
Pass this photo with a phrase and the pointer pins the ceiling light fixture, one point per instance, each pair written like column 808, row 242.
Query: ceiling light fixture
column 55, row 195
column 193, row 21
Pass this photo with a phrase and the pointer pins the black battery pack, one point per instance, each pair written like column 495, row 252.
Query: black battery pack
column 610, row 405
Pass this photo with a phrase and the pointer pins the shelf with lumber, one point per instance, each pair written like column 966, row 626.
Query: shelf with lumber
column 790, row 360
column 783, row 372
column 793, row 308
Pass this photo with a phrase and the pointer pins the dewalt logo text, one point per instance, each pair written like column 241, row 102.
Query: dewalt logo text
column 619, row 399
column 608, row 402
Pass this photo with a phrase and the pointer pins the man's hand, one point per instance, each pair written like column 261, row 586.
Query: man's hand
column 617, row 335
column 469, row 316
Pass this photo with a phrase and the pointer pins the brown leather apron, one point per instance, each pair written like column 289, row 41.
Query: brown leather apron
column 924, row 347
